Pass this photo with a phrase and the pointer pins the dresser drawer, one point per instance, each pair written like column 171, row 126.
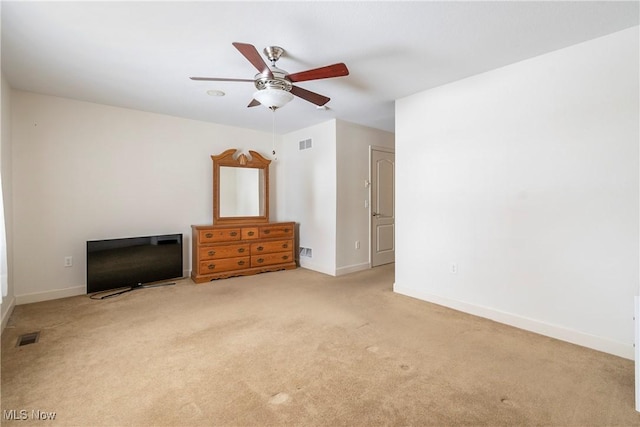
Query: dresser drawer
column 219, row 235
column 282, row 230
column 270, row 259
column 250, row 233
column 269, row 247
column 223, row 251
column 226, row 264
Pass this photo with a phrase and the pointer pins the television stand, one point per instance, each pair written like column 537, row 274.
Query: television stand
column 129, row 289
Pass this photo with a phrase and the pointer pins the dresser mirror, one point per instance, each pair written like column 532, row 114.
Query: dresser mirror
column 240, row 188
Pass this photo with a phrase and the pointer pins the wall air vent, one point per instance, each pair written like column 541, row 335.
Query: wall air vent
column 306, row 252
column 305, row 144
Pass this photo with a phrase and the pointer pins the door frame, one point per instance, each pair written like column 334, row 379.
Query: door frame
column 373, row 148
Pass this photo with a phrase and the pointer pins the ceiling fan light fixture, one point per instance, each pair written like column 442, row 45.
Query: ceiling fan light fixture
column 273, row 98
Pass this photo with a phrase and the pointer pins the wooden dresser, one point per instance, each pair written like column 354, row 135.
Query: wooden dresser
column 221, row 251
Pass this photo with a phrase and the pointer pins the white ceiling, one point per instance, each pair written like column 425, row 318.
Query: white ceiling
column 140, row 54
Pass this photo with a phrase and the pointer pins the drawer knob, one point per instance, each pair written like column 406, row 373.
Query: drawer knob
column 260, row 260
column 233, row 233
column 267, row 231
column 285, row 246
column 208, row 235
column 211, row 253
column 240, row 262
column 259, row 248
column 211, row 266
column 285, row 257
column 251, row 233
column 241, row 250
column 286, row 230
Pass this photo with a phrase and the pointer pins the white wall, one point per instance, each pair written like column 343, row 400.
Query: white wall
column 8, row 302
column 353, row 218
column 84, row 171
column 322, row 189
column 527, row 178
column 306, row 192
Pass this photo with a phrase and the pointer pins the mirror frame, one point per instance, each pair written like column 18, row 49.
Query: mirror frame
column 256, row 161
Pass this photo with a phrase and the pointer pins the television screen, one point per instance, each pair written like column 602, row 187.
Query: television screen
column 133, row 261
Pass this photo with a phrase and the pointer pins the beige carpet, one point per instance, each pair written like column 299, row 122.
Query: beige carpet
column 297, row 348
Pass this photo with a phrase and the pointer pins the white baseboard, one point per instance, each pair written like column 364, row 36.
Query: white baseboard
column 49, row 295
column 352, row 268
column 338, row 272
column 315, row 267
column 558, row 332
column 636, row 322
column 11, row 304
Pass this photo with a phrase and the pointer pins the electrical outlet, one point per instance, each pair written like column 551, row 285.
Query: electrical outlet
column 453, row 268
column 357, row 244
column 68, row 261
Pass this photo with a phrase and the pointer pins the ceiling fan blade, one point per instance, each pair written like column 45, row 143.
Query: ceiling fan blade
column 335, row 70
column 216, row 79
column 252, row 55
column 307, row 95
column 253, row 103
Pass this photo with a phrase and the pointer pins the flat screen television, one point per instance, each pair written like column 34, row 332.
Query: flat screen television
column 133, row 261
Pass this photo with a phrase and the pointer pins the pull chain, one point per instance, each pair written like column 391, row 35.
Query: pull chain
column 273, row 128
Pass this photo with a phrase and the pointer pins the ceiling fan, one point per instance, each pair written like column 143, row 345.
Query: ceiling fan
column 275, row 86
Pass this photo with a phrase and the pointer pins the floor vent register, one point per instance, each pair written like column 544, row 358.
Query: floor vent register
column 26, row 339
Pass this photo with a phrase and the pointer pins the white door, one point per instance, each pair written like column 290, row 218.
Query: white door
column 382, row 206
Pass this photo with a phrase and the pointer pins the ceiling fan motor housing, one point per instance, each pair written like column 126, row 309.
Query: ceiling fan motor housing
column 278, row 81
